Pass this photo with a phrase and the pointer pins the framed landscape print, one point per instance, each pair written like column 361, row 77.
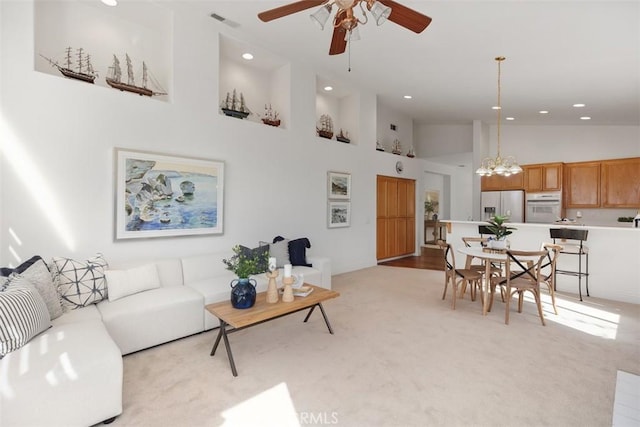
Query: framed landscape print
column 339, row 185
column 339, row 214
column 160, row 195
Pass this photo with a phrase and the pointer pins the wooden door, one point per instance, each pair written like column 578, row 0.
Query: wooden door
column 395, row 219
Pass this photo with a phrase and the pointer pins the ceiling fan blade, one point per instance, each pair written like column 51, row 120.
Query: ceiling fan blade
column 288, row 9
column 405, row 17
column 338, row 42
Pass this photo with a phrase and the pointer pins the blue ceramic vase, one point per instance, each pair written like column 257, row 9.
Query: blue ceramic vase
column 243, row 293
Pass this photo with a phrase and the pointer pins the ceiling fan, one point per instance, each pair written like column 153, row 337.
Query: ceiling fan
column 345, row 21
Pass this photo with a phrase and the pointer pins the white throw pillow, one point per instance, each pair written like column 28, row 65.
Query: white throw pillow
column 122, row 283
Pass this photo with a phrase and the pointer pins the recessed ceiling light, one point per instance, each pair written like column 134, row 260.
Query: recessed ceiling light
column 509, row 118
column 328, row 88
column 247, row 56
column 585, row 118
column 110, row 2
column 408, row 97
column 578, row 105
column 543, row 112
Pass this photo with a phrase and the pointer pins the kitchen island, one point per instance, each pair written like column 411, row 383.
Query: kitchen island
column 614, row 256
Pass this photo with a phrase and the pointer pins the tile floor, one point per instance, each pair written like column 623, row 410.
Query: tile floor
column 626, row 406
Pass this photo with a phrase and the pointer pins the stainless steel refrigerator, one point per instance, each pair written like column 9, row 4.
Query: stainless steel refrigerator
column 506, row 203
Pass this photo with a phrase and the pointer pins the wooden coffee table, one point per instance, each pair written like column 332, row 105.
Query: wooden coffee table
column 237, row 319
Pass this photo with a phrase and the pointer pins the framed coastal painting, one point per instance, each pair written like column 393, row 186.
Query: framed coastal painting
column 161, row 195
column 339, row 214
column 339, row 185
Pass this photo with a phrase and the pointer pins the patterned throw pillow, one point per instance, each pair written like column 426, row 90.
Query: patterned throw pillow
column 261, row 253
column 23, row 314
column 80, row 283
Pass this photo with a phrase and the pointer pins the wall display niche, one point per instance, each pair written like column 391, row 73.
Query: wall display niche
column 127, row 48
column 341, row 106
column 160, row 195
column 254, row 90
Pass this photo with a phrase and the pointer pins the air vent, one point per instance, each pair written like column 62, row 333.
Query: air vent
column 225, row 20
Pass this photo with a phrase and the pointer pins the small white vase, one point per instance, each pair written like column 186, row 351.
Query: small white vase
column 498, row 244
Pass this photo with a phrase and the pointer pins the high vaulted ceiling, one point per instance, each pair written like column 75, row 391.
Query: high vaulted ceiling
column 558, row 53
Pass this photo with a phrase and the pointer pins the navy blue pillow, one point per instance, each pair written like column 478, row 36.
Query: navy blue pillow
column 297, row 250
column 6, row 271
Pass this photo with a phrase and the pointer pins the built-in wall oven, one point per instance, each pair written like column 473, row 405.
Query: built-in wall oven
column 543, row 208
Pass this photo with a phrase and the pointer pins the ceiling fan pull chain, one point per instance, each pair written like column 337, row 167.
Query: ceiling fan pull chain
column 349, row 47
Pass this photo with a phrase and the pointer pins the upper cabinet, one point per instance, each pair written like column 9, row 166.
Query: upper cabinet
column 604, row 184
column 620, row 183
column 582, row 185
column 499, row 183
column 543, row 177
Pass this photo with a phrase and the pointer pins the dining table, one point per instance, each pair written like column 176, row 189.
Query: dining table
column 489, row 256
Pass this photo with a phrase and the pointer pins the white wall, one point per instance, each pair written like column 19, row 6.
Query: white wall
column 57, row 167
column 58, row 135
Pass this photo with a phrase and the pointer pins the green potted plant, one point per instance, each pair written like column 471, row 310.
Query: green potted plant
column 499, row 229
column 244, row 263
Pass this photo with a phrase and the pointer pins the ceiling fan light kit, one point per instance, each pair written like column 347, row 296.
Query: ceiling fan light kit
column 499, row 166
column 345, row 23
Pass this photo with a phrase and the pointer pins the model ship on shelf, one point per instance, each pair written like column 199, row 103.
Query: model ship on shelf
column 411, row 153
column 379, row 146
column 235, row 107
column 326, row 127
column 397, row 147
column 343, row 137
column 270, row 116
column 115, row 79
column 82, row 69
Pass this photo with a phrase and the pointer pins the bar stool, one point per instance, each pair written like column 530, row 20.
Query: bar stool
column 575, row 247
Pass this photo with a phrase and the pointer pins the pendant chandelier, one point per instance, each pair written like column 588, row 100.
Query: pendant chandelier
column 499, row 166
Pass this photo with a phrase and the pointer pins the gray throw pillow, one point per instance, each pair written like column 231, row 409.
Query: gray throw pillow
column 40, row 277
column 280, row 250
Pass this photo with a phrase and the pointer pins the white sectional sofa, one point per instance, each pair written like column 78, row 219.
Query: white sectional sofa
column 71, row 374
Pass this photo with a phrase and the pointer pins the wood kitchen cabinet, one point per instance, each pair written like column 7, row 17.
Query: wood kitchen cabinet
column 543, row 177
column 620, row 183
column 582, row 185
column 499, row 183
column 603, row 184
column 395, row 221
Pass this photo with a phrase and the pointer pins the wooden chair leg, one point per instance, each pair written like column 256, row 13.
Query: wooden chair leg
column 539, row 304
column 553, row 299
column 507, row 303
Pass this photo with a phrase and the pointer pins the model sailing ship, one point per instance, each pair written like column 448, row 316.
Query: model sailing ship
column 270, row 116
column 82, row 69
column 397, row 147
column 326, row 127
column 234, row 106
column 115, row 78
column 343, row 137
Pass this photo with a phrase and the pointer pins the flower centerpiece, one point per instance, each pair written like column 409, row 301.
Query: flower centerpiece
column 244, row 263
column 499, row 229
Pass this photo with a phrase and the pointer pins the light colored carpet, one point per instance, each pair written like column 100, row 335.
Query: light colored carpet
column 399, row 357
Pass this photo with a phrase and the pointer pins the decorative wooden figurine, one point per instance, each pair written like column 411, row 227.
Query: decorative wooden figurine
column 272, row 288
column 287, row 295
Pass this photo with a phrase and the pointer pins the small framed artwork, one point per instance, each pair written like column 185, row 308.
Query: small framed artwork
column 339, row 185
column 339, row 214
column 160, row 195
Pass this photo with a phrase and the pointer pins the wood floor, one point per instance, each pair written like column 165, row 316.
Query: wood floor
column 429, row 259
